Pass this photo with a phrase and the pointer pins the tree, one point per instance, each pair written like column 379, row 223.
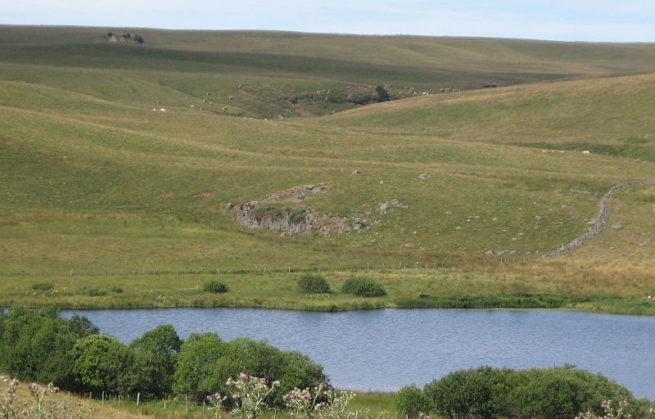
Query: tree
column 383, row 95
column 195, row 362
column 35, row 345
column 103, row 363
column 155, row 356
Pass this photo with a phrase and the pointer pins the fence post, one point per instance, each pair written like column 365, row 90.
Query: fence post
column 138, row 398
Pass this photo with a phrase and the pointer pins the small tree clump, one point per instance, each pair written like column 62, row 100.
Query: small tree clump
column 215, row 286
column 313, row 284
column 363, row 287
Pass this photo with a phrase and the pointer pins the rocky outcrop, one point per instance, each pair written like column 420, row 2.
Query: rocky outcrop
column 598, row 225
column 274, row 212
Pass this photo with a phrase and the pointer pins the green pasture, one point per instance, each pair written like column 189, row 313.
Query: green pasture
column 99, row 186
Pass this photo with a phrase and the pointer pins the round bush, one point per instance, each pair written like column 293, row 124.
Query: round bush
column 410, row 400
column 313, row 284
column 215, row 286
column 363, row 287
column 465, row 393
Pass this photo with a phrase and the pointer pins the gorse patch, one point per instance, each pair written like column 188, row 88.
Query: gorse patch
column 363, row 287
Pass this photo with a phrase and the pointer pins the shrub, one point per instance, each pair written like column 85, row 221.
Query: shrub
column 215, row 286
column 116, row 289
column 363, row 287
column 298, row 215
column 556, row 392
column 410, row 400
column 262, row 360
column 313, row 284
column 383, row 95
column 43, row 286
column 466, row 393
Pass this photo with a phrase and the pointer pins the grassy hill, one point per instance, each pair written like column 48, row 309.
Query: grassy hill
column 99, row 186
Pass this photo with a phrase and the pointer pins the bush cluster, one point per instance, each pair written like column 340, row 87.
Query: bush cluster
column 39, row 345
column 215, row 286
column 363, row 287
column 313, row 284
column 487, row 393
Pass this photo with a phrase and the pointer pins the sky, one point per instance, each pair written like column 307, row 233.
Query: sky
column 562, row 20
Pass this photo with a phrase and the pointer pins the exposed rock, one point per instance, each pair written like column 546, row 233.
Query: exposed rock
column 356, row 172
column 410, row 245
column 617, row 227
column 273, row 213
column 394, row 203
column 424, row 176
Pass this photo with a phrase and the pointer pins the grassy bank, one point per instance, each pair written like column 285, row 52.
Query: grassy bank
column 490, row 286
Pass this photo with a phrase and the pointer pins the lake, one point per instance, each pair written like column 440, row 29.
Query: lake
column 384, row 350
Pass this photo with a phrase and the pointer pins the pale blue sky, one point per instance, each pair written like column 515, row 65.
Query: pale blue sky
column 572, row 20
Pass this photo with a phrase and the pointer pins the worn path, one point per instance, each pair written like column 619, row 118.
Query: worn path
column 601, row 220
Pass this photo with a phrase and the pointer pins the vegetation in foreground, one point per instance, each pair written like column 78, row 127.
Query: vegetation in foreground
column 159, row 369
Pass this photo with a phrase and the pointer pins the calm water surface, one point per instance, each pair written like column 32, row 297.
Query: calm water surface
column 384, row 350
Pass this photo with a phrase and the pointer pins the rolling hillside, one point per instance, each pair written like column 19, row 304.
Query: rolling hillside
column 119, row 161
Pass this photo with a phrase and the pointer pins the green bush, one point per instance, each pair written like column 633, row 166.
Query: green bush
column 485, row 393
column 116, row 289
column 262, row 360
column 410, row 400
column 363, row 287
column 555, row 393
column 205, row 362
column 43, row 286
column 215, row 286
column 466, row 393
column 313, row 284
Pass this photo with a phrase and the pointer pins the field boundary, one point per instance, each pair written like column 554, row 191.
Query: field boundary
column 601, row 219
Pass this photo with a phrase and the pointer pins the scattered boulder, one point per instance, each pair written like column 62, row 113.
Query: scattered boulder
column 424, row 176
column 617, row 227
column 394, row 203
column 356, row 172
